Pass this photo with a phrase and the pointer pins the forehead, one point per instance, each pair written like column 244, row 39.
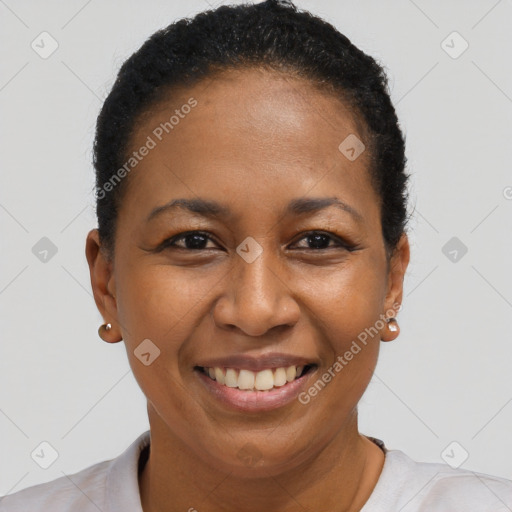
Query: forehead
column 251, row 132
column 257, row 105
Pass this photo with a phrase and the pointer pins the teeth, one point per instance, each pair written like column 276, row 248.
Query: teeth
column 219, row 376
column 280, row 377
column 248, row 380
column 291, row 373
column 264, row 380
column 231, row 378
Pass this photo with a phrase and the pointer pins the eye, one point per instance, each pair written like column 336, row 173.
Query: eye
column 320, row 240
column 196, row 241
column 193, row 240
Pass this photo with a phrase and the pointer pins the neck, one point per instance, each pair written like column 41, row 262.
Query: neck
column 341, row 477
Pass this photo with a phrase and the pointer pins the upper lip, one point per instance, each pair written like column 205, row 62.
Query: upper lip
column 257, row 363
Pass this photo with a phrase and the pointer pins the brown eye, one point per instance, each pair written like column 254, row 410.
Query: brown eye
column 193, row 241
column 319, row 240
column 197, row 241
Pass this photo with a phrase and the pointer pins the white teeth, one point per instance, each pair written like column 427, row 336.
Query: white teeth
column 291, row 373
column 219, row 376
column 264, row 380
column 280, row 377
column 231, row 378
column 248, row 380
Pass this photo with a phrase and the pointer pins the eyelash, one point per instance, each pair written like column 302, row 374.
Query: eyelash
column 169, row 242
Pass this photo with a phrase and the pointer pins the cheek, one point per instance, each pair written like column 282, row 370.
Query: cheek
column 164, row 304
column 347, row 300
column 157, row 304
column 156, row 298
column 347, row 308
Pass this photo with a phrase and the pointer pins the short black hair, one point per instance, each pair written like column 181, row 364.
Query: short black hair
column 272, row 34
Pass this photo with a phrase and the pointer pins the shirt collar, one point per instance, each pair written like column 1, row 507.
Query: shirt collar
column 123, row 494
column 122, row 486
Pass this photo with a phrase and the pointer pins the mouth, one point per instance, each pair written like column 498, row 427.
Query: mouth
column 247, row 391
column 248, row 380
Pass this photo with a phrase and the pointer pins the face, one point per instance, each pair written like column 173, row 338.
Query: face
column 276, row 262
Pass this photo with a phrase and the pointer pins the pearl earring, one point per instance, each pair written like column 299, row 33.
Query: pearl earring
column 103, row 329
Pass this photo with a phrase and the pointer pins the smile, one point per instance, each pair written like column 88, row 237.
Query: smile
column 254, row 391
column 264, row 380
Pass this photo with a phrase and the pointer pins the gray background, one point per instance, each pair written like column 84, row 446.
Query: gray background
column 446, row 378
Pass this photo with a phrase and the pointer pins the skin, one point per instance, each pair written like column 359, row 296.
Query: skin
column 256, row 140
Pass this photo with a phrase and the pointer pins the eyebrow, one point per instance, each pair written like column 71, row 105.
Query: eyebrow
column 212, row 209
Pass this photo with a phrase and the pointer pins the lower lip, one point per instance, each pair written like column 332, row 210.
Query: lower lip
column 255, row 401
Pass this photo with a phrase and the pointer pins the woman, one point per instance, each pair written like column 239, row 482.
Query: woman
column 250, row 253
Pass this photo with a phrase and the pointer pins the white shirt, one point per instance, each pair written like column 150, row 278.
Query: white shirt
column 404, row 485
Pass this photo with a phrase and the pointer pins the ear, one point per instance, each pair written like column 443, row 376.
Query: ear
column 103, row 283
column 397, row 267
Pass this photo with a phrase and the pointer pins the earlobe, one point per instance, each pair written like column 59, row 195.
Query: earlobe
column 398, row 266
column 106, row 334
column 102, row 283
column 391, row 330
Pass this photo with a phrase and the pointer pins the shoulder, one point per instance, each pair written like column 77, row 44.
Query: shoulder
column 84, row 491
column 421, row 486
column 107, row 485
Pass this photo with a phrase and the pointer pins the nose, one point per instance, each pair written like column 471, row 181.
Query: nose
column 258, row 297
